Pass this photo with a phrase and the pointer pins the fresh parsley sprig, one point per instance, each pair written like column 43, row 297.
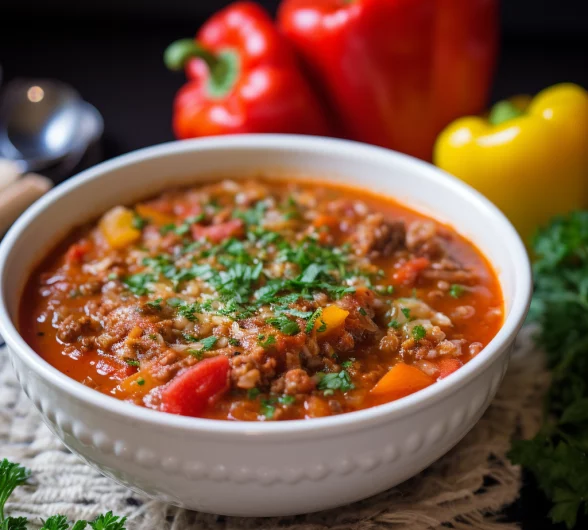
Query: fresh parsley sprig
column 558, row 455
column 13, row 475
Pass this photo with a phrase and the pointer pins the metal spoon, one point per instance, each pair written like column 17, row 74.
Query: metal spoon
column 43, row 122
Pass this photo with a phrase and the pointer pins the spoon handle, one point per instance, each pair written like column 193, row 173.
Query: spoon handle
column 9, row 172
column 19, row 195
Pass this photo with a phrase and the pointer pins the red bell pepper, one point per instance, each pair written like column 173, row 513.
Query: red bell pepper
column 397, row 71
column 243, row 78
column 189, row 392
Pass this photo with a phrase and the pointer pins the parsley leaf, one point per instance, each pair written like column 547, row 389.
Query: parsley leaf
column 108, row 521
column 419, row 332
column 266, row 343
column 406, row 312
column 558, row 455
column 57, row 522
column 267, row 408
column 138, row 283
column 284, row 324
column 155, row 304
column 456, row 290
column 208, row 343
column 312, row 320
column 11, row 476
column 286, row 400
column 132, row 362
column 335, row 381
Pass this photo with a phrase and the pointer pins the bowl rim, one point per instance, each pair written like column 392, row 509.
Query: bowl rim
column 325, row 426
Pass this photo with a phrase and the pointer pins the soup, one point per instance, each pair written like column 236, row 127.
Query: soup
column 261, row 300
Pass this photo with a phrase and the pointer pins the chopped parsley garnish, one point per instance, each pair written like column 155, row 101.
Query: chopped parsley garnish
column 138, row 222
column 406, row 312
column 140, row 381
column 155, row 304
column 233, row 342
column 183, row 228
column 284, row 324
column 184, row 308
column 362, row 311
column 335, row 381
column 286, row 400
column 322, row 328
column 312, row 320
column 188, row 337
column 252, row 393
column 456, row 290
column 112, row 276
column 267, row 408
column 199, row 354
column 137, row 283
column 349, row 363
column 152, row 336
column 132, row 362
column 208, row 343
column 264, row 342
column 394, row 324
column 419, row 332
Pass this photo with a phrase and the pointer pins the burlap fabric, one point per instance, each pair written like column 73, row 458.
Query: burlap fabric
column 465, row 489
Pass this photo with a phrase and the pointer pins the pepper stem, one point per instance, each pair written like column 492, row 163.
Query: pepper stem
column 179, row 52
column 503, row 111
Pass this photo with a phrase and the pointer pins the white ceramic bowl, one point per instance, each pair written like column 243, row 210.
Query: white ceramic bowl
column 273, row 468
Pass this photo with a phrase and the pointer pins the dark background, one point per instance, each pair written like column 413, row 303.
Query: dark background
column 111, row 52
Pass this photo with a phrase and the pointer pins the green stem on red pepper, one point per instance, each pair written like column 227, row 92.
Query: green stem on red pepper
column 223, row 67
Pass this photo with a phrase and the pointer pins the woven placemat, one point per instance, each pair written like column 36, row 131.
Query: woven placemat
column 465, row 489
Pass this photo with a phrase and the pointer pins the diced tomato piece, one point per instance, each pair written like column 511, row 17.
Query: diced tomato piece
column 220, row 232
column 187, row 209
column 190, row 392
column 408, row 272
column 76, row 253
column 448, row 366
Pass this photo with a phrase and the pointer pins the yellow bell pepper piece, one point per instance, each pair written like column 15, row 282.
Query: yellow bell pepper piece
column 333, row 317
column 117, row 227
column 529, row 156
column 138, row 384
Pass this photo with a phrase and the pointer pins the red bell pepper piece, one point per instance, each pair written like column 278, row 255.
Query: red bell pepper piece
column 397, row 71
column 190, row 392
column 243, row 78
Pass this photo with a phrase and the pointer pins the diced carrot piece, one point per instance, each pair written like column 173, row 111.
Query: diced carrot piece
column 333, row 317
column 325, row 220
column 189, row 392
column 117, row 227
column 135, row 333
column 316, row 407
column 402, row 380
column 448, row 366
column 154, row 216
column 408, row 272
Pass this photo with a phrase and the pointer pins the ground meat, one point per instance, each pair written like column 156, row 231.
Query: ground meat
column 375, row 236
column 73, row 328
column 298, row 382
column 422, row 239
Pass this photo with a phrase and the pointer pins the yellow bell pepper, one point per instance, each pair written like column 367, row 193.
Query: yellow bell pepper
column 117, row 227
column 529, row 156
column 331, row 319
